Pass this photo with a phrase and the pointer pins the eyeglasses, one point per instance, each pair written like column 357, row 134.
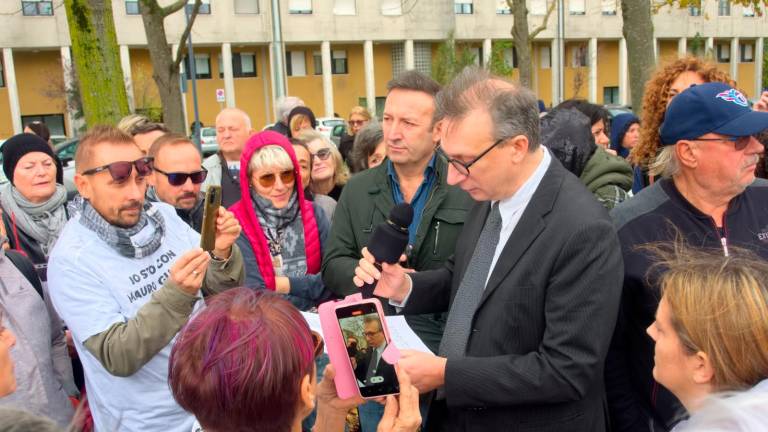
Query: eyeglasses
column 357, row 122
column 319, row 344
column 121, row 171
column 268, row 180
column 740, row 143
column 179, row 178
column 371, row 333
column 322, row 154
column 461, row 167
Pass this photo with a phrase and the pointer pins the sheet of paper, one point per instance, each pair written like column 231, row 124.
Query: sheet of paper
column 401, row 333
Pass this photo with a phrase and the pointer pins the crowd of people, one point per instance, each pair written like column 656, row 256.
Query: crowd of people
column 569, row 270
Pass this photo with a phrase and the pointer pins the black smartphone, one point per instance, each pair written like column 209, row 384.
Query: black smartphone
column 210, row 213
column 367, row 339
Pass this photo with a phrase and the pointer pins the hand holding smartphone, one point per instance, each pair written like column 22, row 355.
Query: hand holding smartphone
column 210, row 214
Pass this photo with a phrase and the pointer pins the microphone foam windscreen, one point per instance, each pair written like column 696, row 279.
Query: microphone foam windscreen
column 401, row 215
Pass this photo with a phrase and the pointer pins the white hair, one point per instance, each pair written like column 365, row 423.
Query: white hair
column 285, row 105
column 665, row 164
column 268, row 157
column 236, row 111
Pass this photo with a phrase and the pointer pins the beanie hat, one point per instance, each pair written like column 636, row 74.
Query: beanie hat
column 303, row 111
column 19, row 145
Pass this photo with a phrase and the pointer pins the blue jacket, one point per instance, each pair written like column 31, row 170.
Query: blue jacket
column 619, row 126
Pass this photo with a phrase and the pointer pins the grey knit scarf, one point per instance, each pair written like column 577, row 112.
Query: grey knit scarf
column 283, row 226
column 120, row 239
column 44, row 221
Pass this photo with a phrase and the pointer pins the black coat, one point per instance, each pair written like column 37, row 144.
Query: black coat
column 25, row 244
column 383, row 369
column 541, row 332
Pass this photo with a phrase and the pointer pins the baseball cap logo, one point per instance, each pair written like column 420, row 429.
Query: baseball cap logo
column 734, row 96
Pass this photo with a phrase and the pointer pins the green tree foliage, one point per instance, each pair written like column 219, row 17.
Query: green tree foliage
column 498, row 64
column 451, row 58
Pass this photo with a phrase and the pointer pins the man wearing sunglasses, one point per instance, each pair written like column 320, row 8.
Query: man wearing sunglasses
column 707, row 197
column 177, row 176
column 233, row 128
column 126, row 275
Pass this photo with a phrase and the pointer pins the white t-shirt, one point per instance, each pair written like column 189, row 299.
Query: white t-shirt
column 94, row 287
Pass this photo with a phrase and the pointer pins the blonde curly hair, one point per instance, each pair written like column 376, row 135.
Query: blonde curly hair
column 655, row 101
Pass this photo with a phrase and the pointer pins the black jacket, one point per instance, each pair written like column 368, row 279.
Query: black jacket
column 346, row 143
column 659, row 213
column 535, row 355
column 26, row 245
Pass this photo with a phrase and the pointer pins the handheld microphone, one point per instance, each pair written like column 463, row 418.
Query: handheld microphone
column 389, row 240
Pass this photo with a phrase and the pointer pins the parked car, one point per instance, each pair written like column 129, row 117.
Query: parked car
column 66, row 154
column 208, row 142
column 325, row 125
column 614, row 110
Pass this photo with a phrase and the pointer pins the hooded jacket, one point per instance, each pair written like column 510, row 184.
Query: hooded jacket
column 252, row 230
column 619, row 127
column 567, row 133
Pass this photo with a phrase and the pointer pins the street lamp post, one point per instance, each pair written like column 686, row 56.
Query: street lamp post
column 193, row 76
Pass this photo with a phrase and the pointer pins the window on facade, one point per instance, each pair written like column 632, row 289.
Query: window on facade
column 694, row 11
column 502, row 8
column 510, row 57
column 477, row 55
column 723, row 53
column 300, row 7
column 724, row 8
column 391, row 7
column 246, row 6
column 37, row 7
column 202, row 66
column 55, row 122
column 131, row 7
column 422, row 58
column 748, row 11
column 2, row 74
column 545, row 57
column 747, row 53
column 339, row 62
column 608, row 7
column 205, row 7
column 462, row 7
column 611, row 95
column 577, row 7
column 243, row 65
column 317, row 62
column 295, row 63
column 344, row 7
column 579, row 56
column 538, row 7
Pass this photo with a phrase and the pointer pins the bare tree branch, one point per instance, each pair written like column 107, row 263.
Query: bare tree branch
column 543, row 25
column 175, row 7
column 182, row 51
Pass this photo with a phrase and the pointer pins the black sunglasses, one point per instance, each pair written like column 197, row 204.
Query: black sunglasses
column 739, row 143
column 179, row 178
column 322, row 154
column 461, row 167
column 121, row 171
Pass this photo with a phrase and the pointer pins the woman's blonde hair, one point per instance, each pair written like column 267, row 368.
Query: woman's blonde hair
column 297, row 120
column 267, row 157
column 719, row 305
column 361, row 111
column 340, row 169
column 655, row 101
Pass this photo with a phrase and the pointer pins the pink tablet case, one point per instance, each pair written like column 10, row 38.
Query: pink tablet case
column 346, row 385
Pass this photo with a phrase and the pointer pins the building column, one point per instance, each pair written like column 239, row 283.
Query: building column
column 682, row 47
column 735, row 52
column 13, row 91
column 487, row 51
column 370, row 81
column 709, row 47
column 408, row 55
column 174, row 51
column 325, row 48
column 592, row 53
column 268, row 111
column 554, row 64
column 125, row 63
column 229, row 79
column 69, row 83
column 623, row 81
column 758, row 56
column 655, row 49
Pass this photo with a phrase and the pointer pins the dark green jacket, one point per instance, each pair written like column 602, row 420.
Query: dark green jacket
column 608, row 177
column 364, row 204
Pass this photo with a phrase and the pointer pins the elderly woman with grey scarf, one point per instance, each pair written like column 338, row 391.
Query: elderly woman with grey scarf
column 33, row 204
column 283, row 233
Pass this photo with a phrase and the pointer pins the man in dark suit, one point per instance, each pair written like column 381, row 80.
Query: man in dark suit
column 533, row 288
column 371, row 364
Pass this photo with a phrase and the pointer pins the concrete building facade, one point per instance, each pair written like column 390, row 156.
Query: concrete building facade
column 341, row 53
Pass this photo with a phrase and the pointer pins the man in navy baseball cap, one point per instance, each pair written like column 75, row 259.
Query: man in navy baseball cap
column 709, row 196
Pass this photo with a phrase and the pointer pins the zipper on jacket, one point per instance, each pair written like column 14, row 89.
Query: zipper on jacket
column 724, row 236
column 437, row 237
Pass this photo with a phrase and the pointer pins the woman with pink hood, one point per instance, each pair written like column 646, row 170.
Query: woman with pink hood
column 283, row 233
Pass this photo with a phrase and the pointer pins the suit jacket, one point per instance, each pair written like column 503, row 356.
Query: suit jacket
column 541, row 332
column 383, row 369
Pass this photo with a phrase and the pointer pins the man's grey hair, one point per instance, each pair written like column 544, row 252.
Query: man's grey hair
column 285, row 105
column 513, row 109
column 236, row 111
column 665, row 164
column 416, row 81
